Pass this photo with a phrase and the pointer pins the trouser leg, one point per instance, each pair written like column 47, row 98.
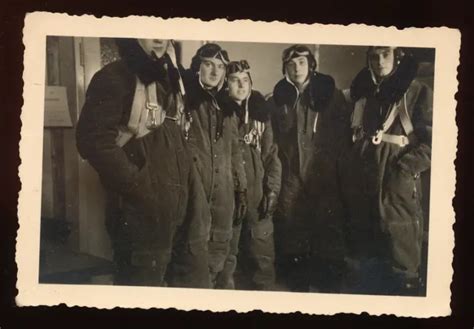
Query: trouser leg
column 189, row 266
column 327, row 261
column 142, row 248
column 225, row 279
column 259, row 247
column 143, row 269
column 219, row 248
column 291, row 237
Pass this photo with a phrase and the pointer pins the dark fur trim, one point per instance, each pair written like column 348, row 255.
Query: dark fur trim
column 258, row 107
column 317, row 94
column 147, row 69
column 195, row 94
column 392, row 89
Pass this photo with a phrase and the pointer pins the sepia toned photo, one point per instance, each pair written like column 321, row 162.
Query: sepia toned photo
column 281, row 172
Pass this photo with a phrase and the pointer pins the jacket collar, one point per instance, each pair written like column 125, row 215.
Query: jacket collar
column 256, row 105
column 197, row 94
column 148, row 70
column 317, row 94
column 389, row 90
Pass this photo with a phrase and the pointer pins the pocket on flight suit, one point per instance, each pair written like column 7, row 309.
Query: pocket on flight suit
column 262, row 245
column 262, row 230
column 219, row 246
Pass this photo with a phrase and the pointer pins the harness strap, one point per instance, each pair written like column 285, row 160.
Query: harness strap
column 253, row 136
column 406, row 121
column 138, row 105
column 145, row 103
column 315, row 123
column 381, row 135
column 400, row 140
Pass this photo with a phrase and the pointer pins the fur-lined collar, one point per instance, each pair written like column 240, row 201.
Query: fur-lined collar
column 392, row 88
column 148, row 70
column 317, row 94
column 257, row 107
column 196, row 94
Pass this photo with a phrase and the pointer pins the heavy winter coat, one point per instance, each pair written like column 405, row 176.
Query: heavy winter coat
column 311, row 130
column 382, row 188
column 261, row 162
column 157, row 197
column 263, row 172
column 213, row 142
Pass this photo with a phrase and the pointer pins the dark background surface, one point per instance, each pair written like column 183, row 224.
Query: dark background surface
column 456, row 14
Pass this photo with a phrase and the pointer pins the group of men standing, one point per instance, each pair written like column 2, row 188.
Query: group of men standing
column 310, row 188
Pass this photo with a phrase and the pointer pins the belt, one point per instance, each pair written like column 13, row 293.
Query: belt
column 400, row 140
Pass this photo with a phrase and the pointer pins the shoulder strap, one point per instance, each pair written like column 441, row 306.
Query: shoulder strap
column 394, row 111
column 405, row 118
column 138, row 107
column 144, row 100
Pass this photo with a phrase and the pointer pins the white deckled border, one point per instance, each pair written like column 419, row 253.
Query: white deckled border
column 441, row 238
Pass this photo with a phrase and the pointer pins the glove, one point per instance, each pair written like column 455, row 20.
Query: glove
column 240, row 207
column 269, row 204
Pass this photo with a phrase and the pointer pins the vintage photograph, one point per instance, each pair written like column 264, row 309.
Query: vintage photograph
column 233, row 165
column 295, row 167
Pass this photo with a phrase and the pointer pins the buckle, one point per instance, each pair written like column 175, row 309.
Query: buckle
column 247, row 139
column 404, row 141
column 377, row 138
column 151, row 106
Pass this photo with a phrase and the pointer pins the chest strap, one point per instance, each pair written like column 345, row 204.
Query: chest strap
column 146, row 114
column 397, row 109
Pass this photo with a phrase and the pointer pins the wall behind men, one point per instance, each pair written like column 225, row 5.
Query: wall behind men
column 264, row 60
column 82, row 198
column 341, row 62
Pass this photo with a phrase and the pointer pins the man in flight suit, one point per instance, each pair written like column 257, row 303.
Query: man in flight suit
column 128, row 130
column 263, row 171
column 311, row 126
column 213, row 141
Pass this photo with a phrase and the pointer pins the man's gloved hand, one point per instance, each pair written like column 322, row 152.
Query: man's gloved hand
column 240, row 207
column 269, row 204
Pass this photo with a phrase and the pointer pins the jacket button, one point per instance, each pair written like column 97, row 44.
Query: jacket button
column 216, row 185
column 215, row 156
column 217, row 170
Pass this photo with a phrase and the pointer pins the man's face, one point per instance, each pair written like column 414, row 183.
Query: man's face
column 156, row 46
column 381, row 61
column 212, row 70
column 297, row 69
column 239, row 85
